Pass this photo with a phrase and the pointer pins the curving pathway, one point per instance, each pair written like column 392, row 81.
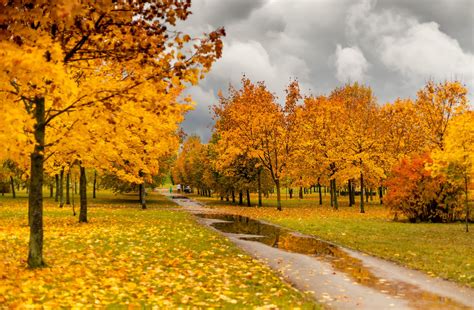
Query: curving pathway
column 337, row 277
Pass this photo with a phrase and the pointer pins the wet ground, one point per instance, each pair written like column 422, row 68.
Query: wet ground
column 335, row 276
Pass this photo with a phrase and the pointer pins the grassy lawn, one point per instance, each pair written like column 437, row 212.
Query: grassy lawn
column 442, row 250
column 126, row 257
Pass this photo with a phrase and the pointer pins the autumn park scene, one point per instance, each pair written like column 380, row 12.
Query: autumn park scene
column 265, row 154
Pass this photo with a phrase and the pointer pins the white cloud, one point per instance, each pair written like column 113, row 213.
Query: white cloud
column 424, row 51
column 253, row 60
column 351, row 65
column 418, row 51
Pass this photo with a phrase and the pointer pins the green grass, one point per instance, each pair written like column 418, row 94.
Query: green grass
column 128, row 257
column 443, row 250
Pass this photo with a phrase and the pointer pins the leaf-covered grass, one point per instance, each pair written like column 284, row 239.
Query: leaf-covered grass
column 125, row 256
column 443, row 250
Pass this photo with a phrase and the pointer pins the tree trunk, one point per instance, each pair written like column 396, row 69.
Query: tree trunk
column 320, row 194
column 352, row 194
column 331, row 193
column 362, row 193
column 227, row 197
column 61, row 189
column 241, row 198
column 233, row 196
column 141, row 190
column 336, row 205
column 248, row 198
column 35, row 197
column 290, row 191
column 466, row 191
column 68, row 185
column 259, row 184
column 56, row 197
column 381, row 194
column 349, row 192
column 277, row 183
column 75, row 185
column 301, row 192
column 94, row 188
column 141, row 195
column 83, row 195
column 13, row 187
column 51, row 190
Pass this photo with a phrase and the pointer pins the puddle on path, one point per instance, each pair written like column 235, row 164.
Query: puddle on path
column 339, row 259
column 179, row 197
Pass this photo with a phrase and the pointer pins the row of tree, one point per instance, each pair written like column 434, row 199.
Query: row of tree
column 341, row 140
column 94, row 84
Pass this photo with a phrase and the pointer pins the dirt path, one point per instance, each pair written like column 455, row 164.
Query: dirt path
column 337, row 277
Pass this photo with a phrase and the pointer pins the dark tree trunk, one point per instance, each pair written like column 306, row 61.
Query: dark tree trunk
column 362, row 193
column 334, row 188
column 222, row 198
column 51, row 190
column 13, row 187
column 35, row 197
column 141, row 195
column 353, row 193
column 301, row 193
column 94, row 188
column 61, row 189
column 227, row 197
column 349, row 192
column 68, row 186
column 277, row 183
column 233, row 196
column 331, row 193
column 290, row 192
column 248, row 198
column 466, row 191
column 259, row 184
column 320, row 194
column 367, row 194
column 241, row 198
column 83, row 195
column 381, row 194
column 141, row 190
column 56, row 197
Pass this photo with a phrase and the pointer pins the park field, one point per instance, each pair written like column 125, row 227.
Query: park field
column 441, row 250
column 129, row 258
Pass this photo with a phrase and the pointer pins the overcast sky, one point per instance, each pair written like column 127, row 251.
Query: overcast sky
column 394, row 46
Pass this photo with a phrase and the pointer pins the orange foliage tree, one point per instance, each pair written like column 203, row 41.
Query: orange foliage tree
column 251, row 123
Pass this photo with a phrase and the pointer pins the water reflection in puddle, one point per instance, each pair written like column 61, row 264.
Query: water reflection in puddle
column 339, row 259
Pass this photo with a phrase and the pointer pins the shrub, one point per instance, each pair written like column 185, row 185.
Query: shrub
column 420, row 196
